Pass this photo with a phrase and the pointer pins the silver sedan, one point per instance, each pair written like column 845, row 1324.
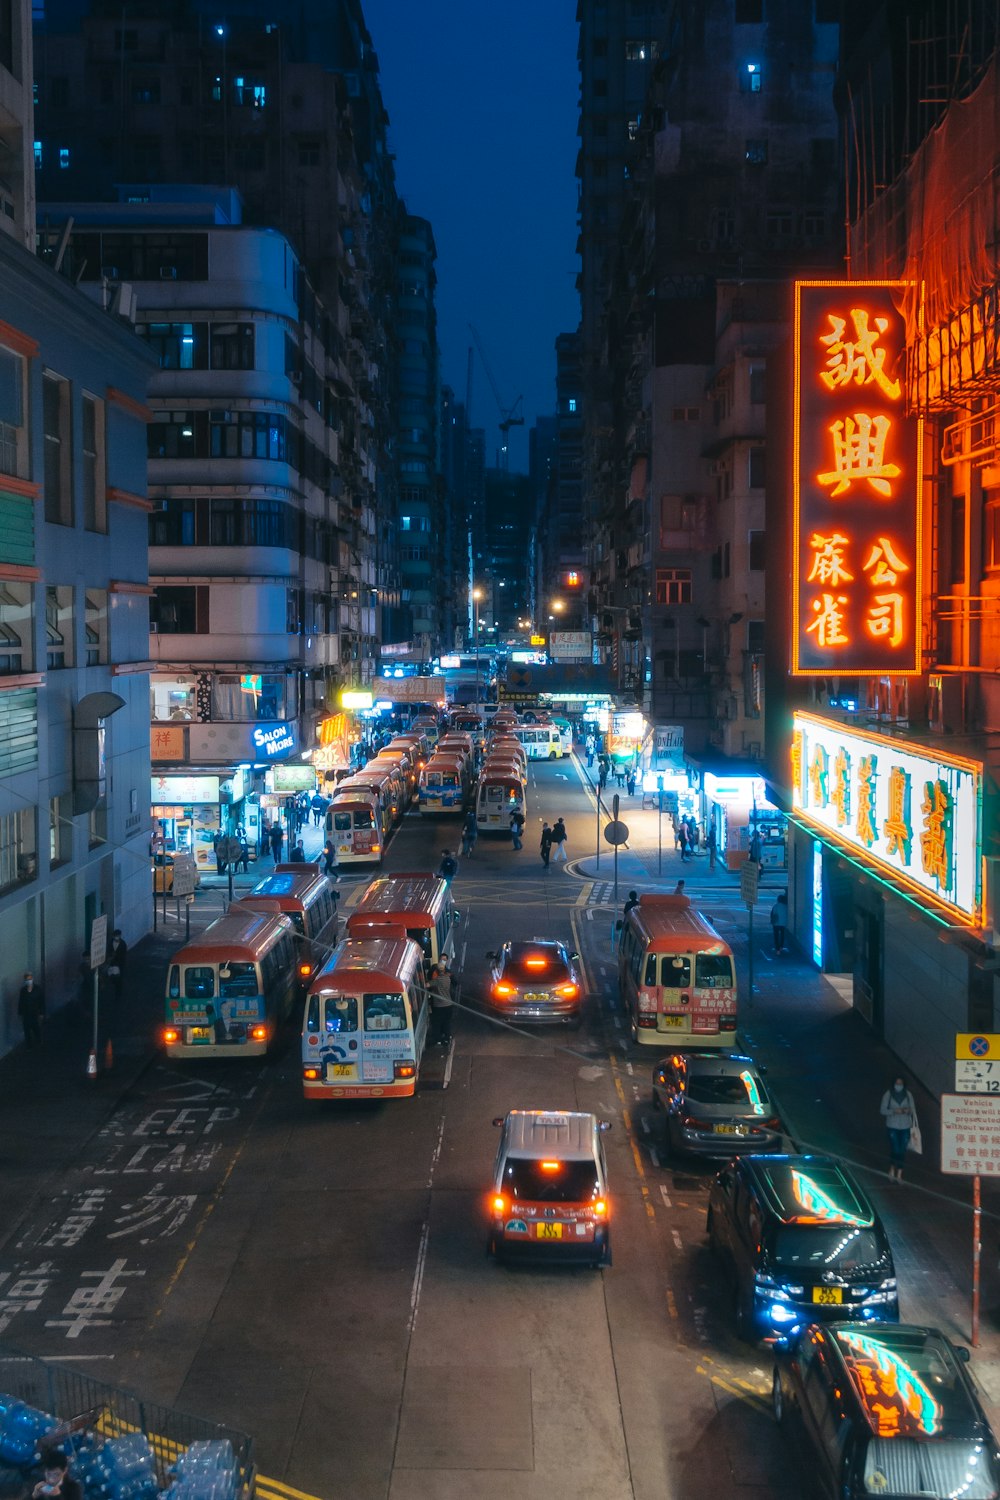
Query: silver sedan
column 716, row 1104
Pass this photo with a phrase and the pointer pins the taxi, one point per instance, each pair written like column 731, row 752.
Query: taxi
column 550, row 1188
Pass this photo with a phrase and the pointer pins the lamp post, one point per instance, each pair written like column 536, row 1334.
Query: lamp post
column 477, row 594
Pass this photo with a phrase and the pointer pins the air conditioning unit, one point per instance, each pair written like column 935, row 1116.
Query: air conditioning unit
column 110, row 273
column 168, row 273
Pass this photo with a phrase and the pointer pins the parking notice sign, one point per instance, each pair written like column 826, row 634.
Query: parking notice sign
column 970, row 1135
column 978, row 1044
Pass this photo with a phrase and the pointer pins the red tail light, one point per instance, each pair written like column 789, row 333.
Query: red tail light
column 569, row 990
column 600, row 1209
column 404, row 1070
column 170, row 1036
column 727, row 1023
column 311, row 1075
column 501, row 989
column 305, row 970
column 498, row 1204
column 691, row 1122
column 258, row 1033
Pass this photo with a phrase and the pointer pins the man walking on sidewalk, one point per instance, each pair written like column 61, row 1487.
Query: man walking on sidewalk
column 712, row 844
column 779, row 921
column 276, row 835
column 545, row 846
column 516, row 827
column 31, row 1009
column 559, row 838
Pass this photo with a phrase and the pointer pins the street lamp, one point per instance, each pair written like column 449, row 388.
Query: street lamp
column 477, row 595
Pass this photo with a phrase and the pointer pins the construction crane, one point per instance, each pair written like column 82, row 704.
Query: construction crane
column 510, row 416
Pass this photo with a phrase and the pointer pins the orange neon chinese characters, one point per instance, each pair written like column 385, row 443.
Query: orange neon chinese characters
column 829, row 566
column 884, row 563
column 840, row 787
column 936, row 838
column 885, row 617
column 897, row 830
column 860, row 360
column 829, row 621
column 818, row 777
column 797, row 761
column 859, row 453
column 867, row 770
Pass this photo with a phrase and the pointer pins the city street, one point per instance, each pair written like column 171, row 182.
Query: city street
column 317, row 1276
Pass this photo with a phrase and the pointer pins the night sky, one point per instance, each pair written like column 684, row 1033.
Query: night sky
column 482, row 104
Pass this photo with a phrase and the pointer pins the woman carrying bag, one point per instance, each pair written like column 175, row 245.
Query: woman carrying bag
column 900, row 1115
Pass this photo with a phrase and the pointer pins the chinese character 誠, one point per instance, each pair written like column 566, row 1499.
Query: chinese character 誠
column 867, row 771
column 859, row 453
column 829, row 566
column 884, row 563
column 828, row 625
column 936, row 836
column 840, row 787
column 897, row 829
column 858, row 359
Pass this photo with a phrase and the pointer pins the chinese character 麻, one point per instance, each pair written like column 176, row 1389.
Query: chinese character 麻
column 897, row 830
column 829, row 566
column 840, row 790
column 867, row 770
column 884, row 563
column 859, row 360
column 859, row 453
column 829, row 621
column 935, row 840
column 885, row 617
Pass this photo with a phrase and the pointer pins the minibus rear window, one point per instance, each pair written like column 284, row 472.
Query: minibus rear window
column 340, row 1014
column 237, row 980
column 199, row 982
column 532, row 1181
column 713, row 971
column 385, row 1012
column 676, row 972
column 342, row 822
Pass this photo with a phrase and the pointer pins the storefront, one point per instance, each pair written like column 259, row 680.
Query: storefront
column 734, row 802
column 186, row 812
column 885, row 883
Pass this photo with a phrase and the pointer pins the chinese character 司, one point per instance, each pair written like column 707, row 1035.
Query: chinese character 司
column 859, row 360
column 829, row 622
column 840, row 790
column 867, row 771
column 829, row 566
column 885, row 617
column 859, row 453
column 897, row 830
column 935, row 840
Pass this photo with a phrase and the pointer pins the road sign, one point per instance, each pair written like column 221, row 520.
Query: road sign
column 970, row 1135
column 983, row 1044
column 184, row 875
column 616, row 832
column 975, row 1076
column 749, row 881
column 98, row 940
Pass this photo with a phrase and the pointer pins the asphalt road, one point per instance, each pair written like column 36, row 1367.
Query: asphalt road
column 317, row 1276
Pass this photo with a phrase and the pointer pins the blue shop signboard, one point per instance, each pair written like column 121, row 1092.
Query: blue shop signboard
column 270, row 741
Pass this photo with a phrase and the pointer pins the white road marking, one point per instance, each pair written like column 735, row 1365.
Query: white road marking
column 447, row 1067
column 665, row 1196
column 418, row 1276
column 675, row 1236
column 645, row 1124
column 629, row 1069
column 654, row 1156
column 436, row 1154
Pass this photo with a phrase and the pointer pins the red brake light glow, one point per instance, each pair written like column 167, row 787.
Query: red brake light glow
column 258, row 1034
column 600, row 1209
column 504, row 989
column 499, row 1204
column 170, row 1036
column 569, row 990
column 551, row 1166
column 312, row 1074
column 536, row 963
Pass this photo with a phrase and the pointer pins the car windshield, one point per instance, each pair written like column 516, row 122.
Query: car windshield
column 551, row 1181
column 825, row 1247
column 741, row 1091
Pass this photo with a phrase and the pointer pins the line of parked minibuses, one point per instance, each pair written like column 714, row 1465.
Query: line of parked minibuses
column 363, row 986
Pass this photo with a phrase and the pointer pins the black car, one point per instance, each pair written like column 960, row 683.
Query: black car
column 801, row 1242
column 888, row 1411
column 716, row 1104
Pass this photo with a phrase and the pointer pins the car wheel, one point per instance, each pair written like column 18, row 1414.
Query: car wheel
column 552, row 755
column 491, row 1246
column 744, row 1319
column 778, row 1399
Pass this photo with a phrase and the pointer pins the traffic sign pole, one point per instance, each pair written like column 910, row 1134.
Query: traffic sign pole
column 977, row 1247
column 616, row 803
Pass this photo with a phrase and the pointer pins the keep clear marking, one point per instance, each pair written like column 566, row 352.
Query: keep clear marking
column 665, row 1196
column 675, row 1236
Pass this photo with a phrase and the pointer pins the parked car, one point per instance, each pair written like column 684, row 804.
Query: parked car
column 800, row 1242
column 886, row 1411
column 715, row 1104
column 163, row 874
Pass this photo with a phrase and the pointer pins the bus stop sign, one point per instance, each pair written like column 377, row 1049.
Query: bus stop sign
column 749, row 881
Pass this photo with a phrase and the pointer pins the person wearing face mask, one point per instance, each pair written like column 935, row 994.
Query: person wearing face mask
column 900, row 1115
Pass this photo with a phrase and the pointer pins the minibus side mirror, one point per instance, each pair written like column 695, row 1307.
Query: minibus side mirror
column 604, row 1125
column 962, row 1353
column 574, row 956
column 498, row 1119
column 492, row 955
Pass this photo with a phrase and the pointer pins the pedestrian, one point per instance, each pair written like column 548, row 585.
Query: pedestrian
column 779, row 921
column 243, row 857
column 56, row 1479
column 631, row 903
column 900, row 1115
column 470, row 832
column 31, row 1009
column 620, row 777
column 684, row 840
column 545, row 846
column 219, row 845
column 448, row 868
column 712, row 843
column 561, row 840
column 590, row 750
column 693, row 836
column 517, row 828
column 630, row 781
column 442, row 1005
column 318, row 808
column 117, row 955
column 679, row 888
column 755, row 847
column 328, row 859
column 298, row 855
column 276, row 836
column 602, row 774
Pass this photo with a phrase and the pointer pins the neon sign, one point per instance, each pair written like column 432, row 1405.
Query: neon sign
column 914, row 813
column 273, row 739
column 856, row 486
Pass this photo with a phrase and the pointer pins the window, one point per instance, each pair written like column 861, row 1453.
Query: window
column 750, row 78
column 780, row 223
column 97, row 825
column 991, row 535
column 146, row 91
column 309, row 152
column 38, row 156
column 756, row 468
column 640, row 51
column 755, row 634
column 95, row 626
column 757, row 551
column 385, row 1012
column 18, row 849
column 180, row 611
column 16, row 653
column 232, row 346
column 95, row 502
column 177, row 346
column 58, row 474
column 758, row 384
column 814, row 225
column 172, row 701
column 756, row 153
column 58, row 627
column 249, row 93
column 63, row 157
column 232, row 703
column 828, row 12
column 60, row 830
column 749, row 12
column 571, row 404
column 247, row 434
column 673, row 585
column 13, row 431
column 293, row 612
column 633, row 128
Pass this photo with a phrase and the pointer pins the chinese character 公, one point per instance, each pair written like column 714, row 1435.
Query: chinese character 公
column 884, row 563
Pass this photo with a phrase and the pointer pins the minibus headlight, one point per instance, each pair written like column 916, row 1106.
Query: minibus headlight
column 404, row 1070
column 171, row 1035
column 311, row 1074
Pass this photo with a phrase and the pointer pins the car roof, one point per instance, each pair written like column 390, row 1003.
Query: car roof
column 913, row 1368
column 809, row 1190
column 525, row 949
column 541, row 1132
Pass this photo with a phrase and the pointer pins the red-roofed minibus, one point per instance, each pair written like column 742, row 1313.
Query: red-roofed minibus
column 421, row 904
column 676, row 976
column 304, row 895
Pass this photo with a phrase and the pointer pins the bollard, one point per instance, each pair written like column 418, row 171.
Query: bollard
column 92, row 1064
column 109, row 1056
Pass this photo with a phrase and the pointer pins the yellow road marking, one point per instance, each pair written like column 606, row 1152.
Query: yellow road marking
column 633, row 1143
column 584, row 895
column 273, row 1489
column 732, row 1388
column 671, row 1303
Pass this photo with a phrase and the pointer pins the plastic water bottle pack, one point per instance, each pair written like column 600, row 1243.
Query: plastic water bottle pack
column 207, row 1471
column 121, row 1469
column 22, row 1431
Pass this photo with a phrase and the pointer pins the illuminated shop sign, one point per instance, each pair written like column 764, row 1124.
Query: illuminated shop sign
column 186, row 789
column 913, row 813
column 856, row 485
column 270, row 740
column 350, row 698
